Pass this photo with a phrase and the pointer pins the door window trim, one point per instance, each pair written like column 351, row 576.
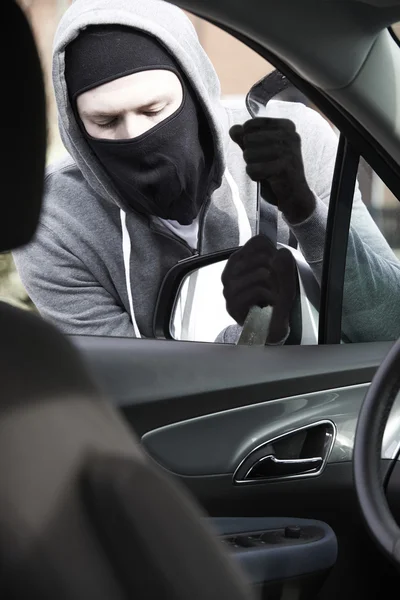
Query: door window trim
column 336, row 240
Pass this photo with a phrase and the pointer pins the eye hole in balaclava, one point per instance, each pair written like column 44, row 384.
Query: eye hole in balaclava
column 166, row 171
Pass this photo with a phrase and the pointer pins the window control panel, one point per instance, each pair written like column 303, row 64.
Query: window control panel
column 290, row 535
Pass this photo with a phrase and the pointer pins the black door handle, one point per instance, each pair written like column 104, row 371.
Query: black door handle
column 271, row 467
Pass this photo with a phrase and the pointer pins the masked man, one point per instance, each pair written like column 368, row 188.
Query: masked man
column 153, row 177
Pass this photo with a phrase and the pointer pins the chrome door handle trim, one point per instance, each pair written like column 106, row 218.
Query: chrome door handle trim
column 294, row 466
column 330, row 440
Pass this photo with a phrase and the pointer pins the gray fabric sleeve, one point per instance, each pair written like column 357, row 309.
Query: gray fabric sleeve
column 372, row 280
column 66, row 293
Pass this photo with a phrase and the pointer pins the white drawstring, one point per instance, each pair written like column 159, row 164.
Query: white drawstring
column 126, row 251
column 243, row 220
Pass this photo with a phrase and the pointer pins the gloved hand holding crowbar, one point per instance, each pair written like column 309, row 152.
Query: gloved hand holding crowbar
column 259, row 272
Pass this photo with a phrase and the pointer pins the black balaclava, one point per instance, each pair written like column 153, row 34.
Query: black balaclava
column 166, row 171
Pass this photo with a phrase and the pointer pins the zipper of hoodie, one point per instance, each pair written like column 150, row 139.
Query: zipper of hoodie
column 175, row 238
column 203, row 211
column 172, row 236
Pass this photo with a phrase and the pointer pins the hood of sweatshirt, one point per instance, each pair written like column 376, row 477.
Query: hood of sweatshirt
column 174, row 30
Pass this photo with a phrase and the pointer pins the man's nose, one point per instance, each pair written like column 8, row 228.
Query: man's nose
column 135, row 125
column 130, row 126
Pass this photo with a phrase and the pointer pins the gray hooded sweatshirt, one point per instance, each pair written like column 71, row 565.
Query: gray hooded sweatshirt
column 95, row 266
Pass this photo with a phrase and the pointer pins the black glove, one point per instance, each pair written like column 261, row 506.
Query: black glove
column 260, row 275
column 272, row 151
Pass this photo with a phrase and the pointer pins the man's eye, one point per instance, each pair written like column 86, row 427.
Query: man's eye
column 108, row 124
column 153, row 113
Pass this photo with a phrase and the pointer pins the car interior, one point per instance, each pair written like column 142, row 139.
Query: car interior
column 144, row 468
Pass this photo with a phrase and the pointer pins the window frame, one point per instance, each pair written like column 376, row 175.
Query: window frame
column 336, row 241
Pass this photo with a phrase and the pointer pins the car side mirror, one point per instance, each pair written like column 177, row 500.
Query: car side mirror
column 191, row 305
column 274, row 86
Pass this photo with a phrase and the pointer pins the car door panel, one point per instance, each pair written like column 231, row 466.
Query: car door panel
column 199, row 421
column 217, row 444
column 198, row 447
column 224, row 401
column 157, row 383
column 172, row 386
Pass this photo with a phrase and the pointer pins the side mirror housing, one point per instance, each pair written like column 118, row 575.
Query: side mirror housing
column 192, row 292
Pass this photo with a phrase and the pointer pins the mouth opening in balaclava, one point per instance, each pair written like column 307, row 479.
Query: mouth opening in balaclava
column 167, row 170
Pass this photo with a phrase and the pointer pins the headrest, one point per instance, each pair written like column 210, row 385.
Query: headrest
column 22, row 131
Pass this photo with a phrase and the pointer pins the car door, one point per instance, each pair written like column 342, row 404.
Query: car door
column 212, row 415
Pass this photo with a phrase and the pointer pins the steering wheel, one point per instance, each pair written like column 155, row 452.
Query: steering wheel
column 368, row 478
